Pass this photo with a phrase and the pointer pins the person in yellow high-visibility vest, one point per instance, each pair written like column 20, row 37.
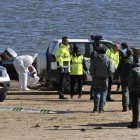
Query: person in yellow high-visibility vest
column 113, row 54
column 77, row 68
column 63, row 64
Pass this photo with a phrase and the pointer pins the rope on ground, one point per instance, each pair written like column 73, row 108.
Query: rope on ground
column 44, row 111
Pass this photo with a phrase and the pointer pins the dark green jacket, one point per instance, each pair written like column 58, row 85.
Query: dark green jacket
column 134, row 78
column 125, row 67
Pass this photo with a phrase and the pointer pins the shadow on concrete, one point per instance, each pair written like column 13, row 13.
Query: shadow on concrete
column 48, row 100
column 107, row 125
column 118, row 125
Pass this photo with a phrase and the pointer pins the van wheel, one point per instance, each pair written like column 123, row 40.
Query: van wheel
column 3, row 96
column 67, row 85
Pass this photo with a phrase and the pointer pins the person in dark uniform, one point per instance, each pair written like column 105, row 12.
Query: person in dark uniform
column 124, row 68
column 122, row 52
column 78, row 66
column 134, row 86
column 113, row 54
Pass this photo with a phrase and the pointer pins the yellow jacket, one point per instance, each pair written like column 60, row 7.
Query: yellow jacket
column 76, row 65
column 63, row 55
column 114, row 57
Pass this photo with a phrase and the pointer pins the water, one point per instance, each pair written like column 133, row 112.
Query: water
column 28, row 26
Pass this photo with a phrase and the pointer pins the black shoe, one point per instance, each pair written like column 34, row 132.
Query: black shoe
column 79, row 96
column 101, row 111
column 71, row 96
column 95, row 110
column 133, row 126
column 125, row 110
column 109, row 100
column 62, row 97
column 130, row 107
column 91, row 97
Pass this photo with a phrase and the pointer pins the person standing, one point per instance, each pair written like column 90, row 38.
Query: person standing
column 96, row 47
column 113, row 54
column 123, row 53
column 134, row 86
column 101, row 69
column 76, row 73
column 123, row 70
column 21, row 64
column 63, row 63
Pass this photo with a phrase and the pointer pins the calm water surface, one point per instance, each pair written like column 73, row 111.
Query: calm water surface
column 28, row 26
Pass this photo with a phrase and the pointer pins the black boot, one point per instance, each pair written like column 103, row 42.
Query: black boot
column 79, row 96
column 133, row 126
column 91, row 97
column 62, row 97
column 109, row 99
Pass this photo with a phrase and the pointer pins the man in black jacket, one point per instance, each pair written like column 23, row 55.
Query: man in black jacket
column 124, row 68
column 134, row 86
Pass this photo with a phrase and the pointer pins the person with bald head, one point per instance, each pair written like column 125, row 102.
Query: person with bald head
column 113, row 54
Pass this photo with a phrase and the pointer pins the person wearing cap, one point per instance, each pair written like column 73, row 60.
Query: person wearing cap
column 63, row 64
column 78, row 67
column 134, row 86
column 124, row 68
column 21, row 64
column 113, row 54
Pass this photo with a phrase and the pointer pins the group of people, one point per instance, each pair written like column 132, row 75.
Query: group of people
column 73, row 64
column 119, row 63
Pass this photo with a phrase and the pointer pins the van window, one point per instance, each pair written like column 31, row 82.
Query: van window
column 52, row 47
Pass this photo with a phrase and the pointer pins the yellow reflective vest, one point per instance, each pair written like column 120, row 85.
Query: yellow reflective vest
column 63, row 55
column 76, row 65
column 114, row 57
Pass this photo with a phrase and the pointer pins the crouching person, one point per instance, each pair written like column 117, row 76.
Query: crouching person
column 21, row 64
column 76, row 73
column 101, row 69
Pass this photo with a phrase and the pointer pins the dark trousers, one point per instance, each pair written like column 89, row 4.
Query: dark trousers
column 61, row 84
column 125, row 94
column 135, row 96
column 79, row 80
column 110, row 81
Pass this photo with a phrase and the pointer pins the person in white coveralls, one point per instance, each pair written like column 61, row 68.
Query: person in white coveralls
column 21, row 64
